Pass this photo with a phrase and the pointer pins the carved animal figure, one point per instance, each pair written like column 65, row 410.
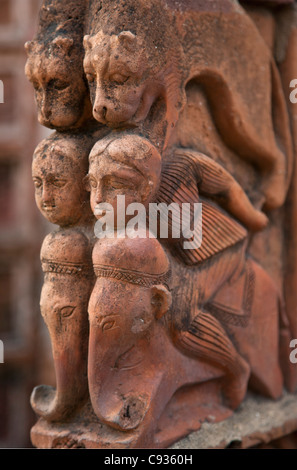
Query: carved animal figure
column 65, row 258
column 130, row 332
column 125, row 82
column 62, row 97
column 55, row 66
column 138, row 76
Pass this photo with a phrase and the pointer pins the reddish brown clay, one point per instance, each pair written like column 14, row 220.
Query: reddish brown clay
column 129, row 309
column 65, row 259
column 177, row 105
column 123, row 164
column 60, row 163
column 55, row 66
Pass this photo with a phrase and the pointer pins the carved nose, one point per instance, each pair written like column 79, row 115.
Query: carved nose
column 46, row 113
column 47, row 196
column 45, row 107
column 98, row 195
column 100, row 112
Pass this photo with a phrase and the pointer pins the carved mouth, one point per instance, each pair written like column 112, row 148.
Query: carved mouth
column 130, row 122
column 48, row 208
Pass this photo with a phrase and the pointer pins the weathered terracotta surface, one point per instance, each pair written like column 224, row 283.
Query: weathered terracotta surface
column 60, row 163
column 123, row 164
column 133, row 380
column 55, row 66
column 175, row 104
column 68, row 282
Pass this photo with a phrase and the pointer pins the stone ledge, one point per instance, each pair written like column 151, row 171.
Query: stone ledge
column 257, row 421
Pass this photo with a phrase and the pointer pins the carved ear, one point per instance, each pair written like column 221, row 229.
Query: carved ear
column 127, row 40
column 160, row 300
column 63, row 44
column 86, row 42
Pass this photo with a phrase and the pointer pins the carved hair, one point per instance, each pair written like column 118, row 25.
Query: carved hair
column 141, row 148
column 83, row 142
column 136, row 152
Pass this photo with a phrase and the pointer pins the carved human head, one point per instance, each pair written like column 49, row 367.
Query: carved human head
column 123, row 165
column 60, row 162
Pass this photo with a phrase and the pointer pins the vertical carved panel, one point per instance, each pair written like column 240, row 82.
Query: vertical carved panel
column 166, row 174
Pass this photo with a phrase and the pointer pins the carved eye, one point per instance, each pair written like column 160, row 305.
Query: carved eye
column 61, row 85
column 36, row 85
column 118, row 78
column 120, row 184
column 58, row 84
column 108, row 325
column 59, row 183
column 67, row 311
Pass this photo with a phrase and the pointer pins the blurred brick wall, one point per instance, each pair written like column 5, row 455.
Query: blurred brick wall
column 27, row 360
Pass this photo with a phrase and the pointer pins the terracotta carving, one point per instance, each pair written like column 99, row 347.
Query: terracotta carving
column 123, row 97
column 60, row 164
column 130, row 309
column 169, row 282
column 123, row 165
column 55, row 66
column 68, row 282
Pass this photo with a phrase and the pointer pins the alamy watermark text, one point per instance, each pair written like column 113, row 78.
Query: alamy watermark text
column 293, row 94
column 293, row 354
column 1, row 352
column 185, row 221
column 1, row 92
